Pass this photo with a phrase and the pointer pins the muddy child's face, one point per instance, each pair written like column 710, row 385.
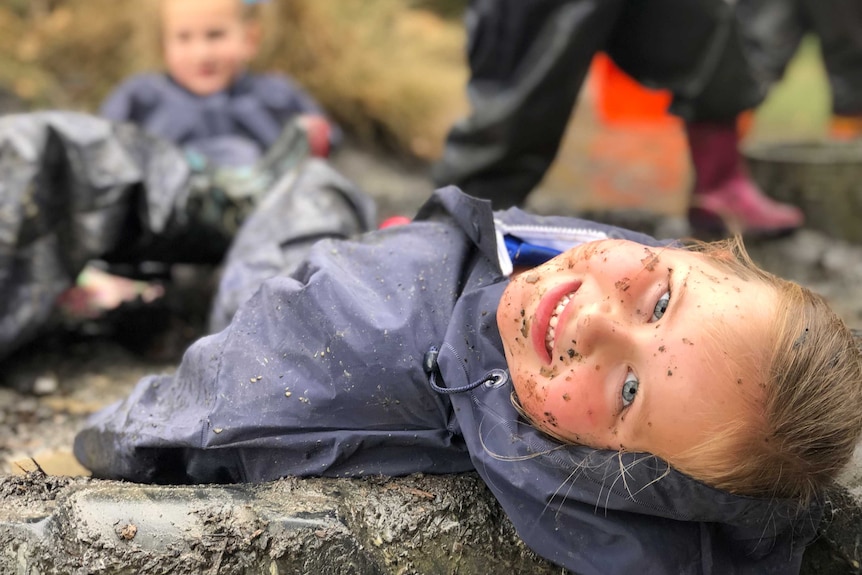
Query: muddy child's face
column 620, row 346
column 206, row 43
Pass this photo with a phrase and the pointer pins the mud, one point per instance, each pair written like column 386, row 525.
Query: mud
column 407, row 526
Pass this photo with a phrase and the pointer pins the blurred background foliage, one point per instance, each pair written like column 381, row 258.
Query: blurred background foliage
column 358, row 57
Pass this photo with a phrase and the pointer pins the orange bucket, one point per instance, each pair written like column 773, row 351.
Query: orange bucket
column 621, row 99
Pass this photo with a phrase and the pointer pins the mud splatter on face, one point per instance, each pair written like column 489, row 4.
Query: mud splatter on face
column 550, row 419
column 650, row 261
column 623, row 284
column 710, row 277
column 525, row 327
column 530, row 386
column 549, row 372
column 661, row 348
column 531, row 278
column 567, row 397
column 687, row 341
column 589, row 252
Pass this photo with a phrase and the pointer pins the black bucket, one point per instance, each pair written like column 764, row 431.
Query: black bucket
column 823, row 178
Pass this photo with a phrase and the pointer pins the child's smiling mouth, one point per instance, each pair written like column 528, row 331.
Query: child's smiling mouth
column 548, row 315
column 552, row 323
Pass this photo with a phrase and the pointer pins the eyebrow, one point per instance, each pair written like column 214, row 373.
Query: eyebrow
column 677, row 289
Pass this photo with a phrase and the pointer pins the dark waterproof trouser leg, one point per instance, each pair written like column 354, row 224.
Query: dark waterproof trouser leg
column 838, row 25
column 526, row 72
column 77, row 188
column 528, row 61
column 773, row 30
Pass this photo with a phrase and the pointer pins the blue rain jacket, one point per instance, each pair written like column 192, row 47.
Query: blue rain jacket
column 231, row 128
column 327, row 372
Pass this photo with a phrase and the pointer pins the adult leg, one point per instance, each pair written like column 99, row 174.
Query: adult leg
column 528, row 61
column 724, row 196
column 838, row 25
column 771, row 31
column 699, row 50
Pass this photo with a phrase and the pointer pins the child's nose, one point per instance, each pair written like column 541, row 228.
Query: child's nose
column 201, row 49
column 597, row 326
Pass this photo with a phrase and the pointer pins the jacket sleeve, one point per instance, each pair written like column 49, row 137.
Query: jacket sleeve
column 286, row 99
column 320, row 373
column 127, row 101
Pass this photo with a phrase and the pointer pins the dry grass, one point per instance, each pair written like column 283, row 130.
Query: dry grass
column 389, row 73
column 397, row 77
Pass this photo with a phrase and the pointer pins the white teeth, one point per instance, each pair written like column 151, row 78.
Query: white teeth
column 555, row 318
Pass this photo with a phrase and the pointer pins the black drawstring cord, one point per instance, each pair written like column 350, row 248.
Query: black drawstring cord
column 494, row 378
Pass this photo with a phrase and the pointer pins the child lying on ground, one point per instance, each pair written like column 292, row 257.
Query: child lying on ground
column 635, row 407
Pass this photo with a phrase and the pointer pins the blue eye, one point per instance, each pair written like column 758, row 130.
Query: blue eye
column 630, row 389
column 660, row 306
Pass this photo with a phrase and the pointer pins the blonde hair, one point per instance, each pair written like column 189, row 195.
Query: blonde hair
column 806, row 424
column 248, row 12
column 251, row 12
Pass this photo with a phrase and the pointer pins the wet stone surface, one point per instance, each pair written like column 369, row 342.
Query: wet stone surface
column 409, row 525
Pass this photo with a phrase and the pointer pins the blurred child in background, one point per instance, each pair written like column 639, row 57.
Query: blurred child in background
column 240, row 131
column 206, row 99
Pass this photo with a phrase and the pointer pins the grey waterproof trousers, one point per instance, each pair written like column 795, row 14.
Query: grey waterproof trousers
column 77, row 188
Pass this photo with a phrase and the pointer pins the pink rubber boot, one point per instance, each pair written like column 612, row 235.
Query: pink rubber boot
column 725, row 198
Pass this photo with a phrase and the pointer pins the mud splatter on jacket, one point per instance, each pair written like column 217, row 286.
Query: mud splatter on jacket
column 327, row 372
